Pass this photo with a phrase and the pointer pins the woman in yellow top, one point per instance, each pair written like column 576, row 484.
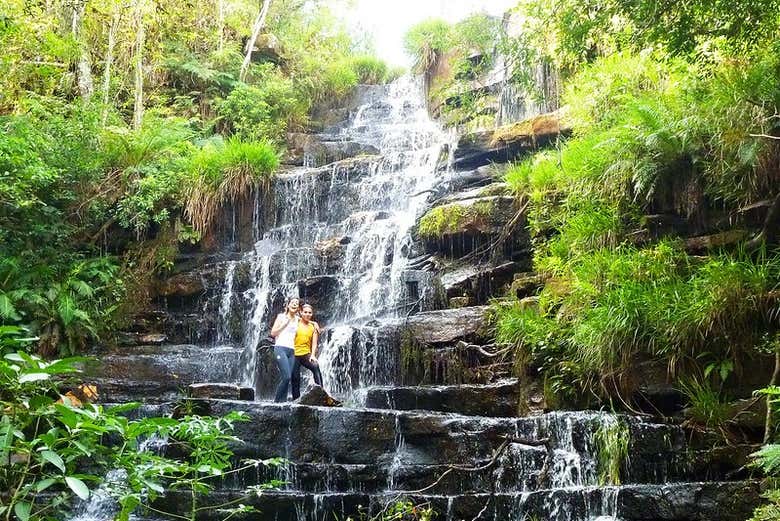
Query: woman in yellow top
column 306, row 338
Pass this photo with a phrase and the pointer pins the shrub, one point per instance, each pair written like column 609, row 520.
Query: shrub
column 369, row 69
column 264, row 111
column 603, row 310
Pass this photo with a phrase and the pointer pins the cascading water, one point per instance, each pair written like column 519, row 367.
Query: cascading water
column 369, row 203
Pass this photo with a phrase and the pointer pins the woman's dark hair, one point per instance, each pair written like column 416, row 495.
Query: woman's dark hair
column 307, row 305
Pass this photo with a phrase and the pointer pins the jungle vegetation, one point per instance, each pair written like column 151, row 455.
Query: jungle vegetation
column 125, row 127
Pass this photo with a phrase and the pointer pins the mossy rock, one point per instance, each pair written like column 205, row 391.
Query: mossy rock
column 532, row 129
column 483, row 215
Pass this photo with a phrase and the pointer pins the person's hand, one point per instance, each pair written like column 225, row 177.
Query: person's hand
column 313, row 359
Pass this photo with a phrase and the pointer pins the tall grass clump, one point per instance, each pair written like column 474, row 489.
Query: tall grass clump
column 370, row 70
column 603, row 311
column 224, row 172
column 427, row 41
column 612, row 443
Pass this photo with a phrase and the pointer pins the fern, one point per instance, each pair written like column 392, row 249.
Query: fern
column 768, row 459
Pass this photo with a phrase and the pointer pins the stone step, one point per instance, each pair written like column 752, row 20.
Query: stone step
column 724, row 501
column 500, row 399
column 162, row 372
column 565, row 441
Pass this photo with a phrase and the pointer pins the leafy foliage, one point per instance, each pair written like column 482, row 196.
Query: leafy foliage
column 49, row 443
column 602, row 311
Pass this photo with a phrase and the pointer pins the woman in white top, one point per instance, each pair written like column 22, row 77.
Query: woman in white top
column 283, row 331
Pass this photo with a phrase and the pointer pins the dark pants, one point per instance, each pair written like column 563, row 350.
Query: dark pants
column 304, row 361
column 285, row 359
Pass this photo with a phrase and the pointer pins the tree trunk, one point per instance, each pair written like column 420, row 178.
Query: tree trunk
column 250, row 44
column 138, row 107
column 84, row 68
column 112, row 30
column 220, row 24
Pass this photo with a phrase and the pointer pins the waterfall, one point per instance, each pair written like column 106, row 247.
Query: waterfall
column 369, row 203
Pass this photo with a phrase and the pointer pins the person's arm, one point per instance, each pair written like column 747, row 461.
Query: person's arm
column 314, row 341
column 317, row 328
column 279, row 324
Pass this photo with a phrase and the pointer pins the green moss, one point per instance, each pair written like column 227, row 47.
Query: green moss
column 454, row 218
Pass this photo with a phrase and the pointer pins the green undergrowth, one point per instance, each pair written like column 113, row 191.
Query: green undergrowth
column 650, row 135
column 602, row 312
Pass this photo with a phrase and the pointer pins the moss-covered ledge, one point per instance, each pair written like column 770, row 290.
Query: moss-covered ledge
column 480, row 215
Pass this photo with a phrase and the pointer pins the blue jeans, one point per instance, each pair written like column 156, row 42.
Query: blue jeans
column 296, row 374
column 285, row 358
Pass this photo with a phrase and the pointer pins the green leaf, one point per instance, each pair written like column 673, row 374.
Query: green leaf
column 53, row 458
column 22, row 510
column 7, row 309
column 124, row 407
column 83, row 448
column 152, row 485
column 78, row 487
column 44, row 484
column 33, row 377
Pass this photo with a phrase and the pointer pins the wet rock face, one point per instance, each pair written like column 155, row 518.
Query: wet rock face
column 544, row 467
column 160, row 372
column 449, row 325
column 318, row 150
column 500, row 399
column 479, row 282
column 220, row 391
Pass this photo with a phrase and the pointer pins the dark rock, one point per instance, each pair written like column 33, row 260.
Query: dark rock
column 153, row 339
column 316, row 150
column 500, row 399
column 664, row 224
column 156, row 372
column 526, row 284
column 267, row 48
column 716, row 240
column 449, row 325
column 220, row 391
column 481, row 282
column 689, row 502
column 459, row 302
column 181, row 285
column 322, row 292
column 316, row 395
column 507, row 143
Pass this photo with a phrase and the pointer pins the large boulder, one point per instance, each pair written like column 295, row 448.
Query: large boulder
column 509, row 142
column 478, row 282
column 449, row 325
column 471, row 216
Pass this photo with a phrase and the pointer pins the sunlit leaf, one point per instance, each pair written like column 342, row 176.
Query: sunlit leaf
column 78, row 487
